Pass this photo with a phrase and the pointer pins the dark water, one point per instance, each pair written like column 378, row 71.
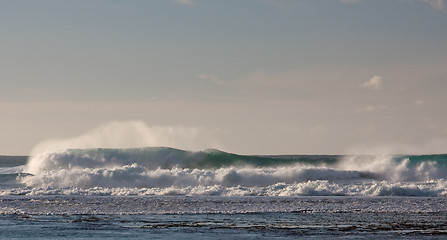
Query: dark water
column 183, row 217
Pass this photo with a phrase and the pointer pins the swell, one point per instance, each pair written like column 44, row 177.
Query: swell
column 161, row 157
column 164, row 170
column 164, row 157
column 440, row 159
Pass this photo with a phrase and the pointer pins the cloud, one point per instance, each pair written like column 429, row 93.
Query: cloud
column 436, row 4
column 186, row 2
column 29, row 90
column 419, row 102
column 373, row 108
column 430, row 146
column 317, row 130
column 212, row 78
column 374, row 83
column 349, row 1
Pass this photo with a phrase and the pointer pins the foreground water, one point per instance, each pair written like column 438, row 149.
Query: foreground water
column 171, row 193
column 220, row 217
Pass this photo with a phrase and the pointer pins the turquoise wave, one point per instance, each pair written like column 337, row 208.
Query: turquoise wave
column 440, row 159
column 163, row 170
column 165, row 157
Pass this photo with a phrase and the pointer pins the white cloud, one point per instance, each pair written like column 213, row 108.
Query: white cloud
column 212, row 78
column 29, row 90
column 374, row 83
column 186, row 2
column 419, row 102
column 373, row 108
column 436, row 4
column 367, row 109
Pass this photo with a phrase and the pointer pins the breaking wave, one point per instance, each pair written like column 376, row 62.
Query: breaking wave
column 169, row 171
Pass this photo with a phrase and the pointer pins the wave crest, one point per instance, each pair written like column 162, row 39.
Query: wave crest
column 160, row 170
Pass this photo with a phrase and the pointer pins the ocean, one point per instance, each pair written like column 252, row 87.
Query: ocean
column 161, row 192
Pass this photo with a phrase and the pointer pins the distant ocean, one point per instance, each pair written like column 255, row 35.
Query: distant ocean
column 170, row 193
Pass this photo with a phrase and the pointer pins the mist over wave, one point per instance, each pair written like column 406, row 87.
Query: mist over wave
column 131, row 134
column 101, row 162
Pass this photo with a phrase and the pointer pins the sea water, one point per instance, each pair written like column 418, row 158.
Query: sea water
column 170, row 193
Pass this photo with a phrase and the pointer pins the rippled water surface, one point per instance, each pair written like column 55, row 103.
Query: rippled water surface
column 222, row 217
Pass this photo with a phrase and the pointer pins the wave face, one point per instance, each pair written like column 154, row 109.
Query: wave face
column 168, row 171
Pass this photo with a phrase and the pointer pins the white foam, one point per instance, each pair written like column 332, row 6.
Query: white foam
column 293, row 180
column 137, row 176
column 309, row 188
column 65, row 169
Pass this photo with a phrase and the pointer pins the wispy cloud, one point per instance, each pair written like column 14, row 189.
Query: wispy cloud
column 186, row 2
column 436, row 4
column 373, row 109
column 212, row 78
column 419, row 102
column 317, row 130
column 32, row 91
column 374, row 83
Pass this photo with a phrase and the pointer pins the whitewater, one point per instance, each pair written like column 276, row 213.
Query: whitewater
column 170, row 171
column 121, row 180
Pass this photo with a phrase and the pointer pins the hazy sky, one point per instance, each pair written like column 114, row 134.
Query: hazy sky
column 245, row 76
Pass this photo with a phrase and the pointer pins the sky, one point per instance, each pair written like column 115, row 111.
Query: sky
column 245, row 76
